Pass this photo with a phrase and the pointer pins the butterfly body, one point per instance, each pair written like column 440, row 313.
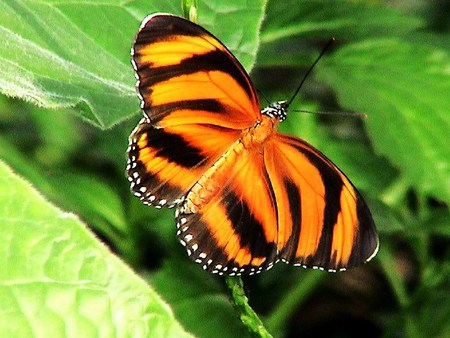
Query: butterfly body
column 246, row 196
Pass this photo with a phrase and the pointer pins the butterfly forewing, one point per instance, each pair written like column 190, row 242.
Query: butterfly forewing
column 184, row 76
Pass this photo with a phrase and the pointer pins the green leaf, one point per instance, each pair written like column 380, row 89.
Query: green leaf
column 58, row 280
column 286, row 27
column 344, row 20
column 47, row 59
column 91, row 198
column 438, row 223
column 403, row 86
column 244, row 18
column 65, row 54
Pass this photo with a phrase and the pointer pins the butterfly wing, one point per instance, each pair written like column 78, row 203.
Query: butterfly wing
column 196, row 99
column 228, row 220
column 286, row 202
column 323, row 221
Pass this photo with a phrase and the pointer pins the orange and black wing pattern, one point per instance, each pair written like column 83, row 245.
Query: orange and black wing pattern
column 228, row 220
column 190, row 115
column 246, row 195
column 323, row 222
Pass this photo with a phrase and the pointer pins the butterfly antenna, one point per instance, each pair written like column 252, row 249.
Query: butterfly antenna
column 263, row 96
column 342, row 113
column 310, row 69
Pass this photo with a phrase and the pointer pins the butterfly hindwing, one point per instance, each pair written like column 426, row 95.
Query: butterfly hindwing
column 285, row 202
column 323, row 220
column 228, row 223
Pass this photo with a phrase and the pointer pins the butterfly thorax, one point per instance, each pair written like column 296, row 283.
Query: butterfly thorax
column 255, row 136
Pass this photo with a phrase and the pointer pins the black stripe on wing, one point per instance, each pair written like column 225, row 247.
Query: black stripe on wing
column 333, row 184
column 164, row 28
column 215, row 60
column 150, row 150
column 172, row 147
column 202, row 247
column 295, row 210
column 204, row 105
column 246, row 226
column 366, row 241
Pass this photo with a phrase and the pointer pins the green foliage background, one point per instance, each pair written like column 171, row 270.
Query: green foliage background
column 69, row 104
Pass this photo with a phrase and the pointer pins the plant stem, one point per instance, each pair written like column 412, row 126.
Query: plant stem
column 190, row 10
column 246, row 314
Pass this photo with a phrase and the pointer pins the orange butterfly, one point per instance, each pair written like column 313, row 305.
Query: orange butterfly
column 246, row 195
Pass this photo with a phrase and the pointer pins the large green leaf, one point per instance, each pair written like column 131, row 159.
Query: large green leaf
column 58, row 280
column 403, row 86
column 65, row 54
column 47, row 58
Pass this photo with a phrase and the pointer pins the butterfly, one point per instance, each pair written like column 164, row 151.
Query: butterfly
column 246, row 196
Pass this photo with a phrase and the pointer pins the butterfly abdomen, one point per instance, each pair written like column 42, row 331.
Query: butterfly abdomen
column 211, row 182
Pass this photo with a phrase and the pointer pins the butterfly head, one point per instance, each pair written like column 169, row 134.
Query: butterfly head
column 276, row 109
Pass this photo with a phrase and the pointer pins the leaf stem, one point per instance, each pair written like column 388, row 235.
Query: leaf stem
column 190, row 10
column 246, row 314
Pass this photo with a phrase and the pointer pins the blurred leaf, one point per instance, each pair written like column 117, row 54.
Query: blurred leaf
column 433, row 313
column 403, row 86
column 15, row 158
column 287, row 26
column 345, row 20
column 386, row 219
column 56, row 55
column 58, row 280
column 198, row 300
column 75, row 192
column 90, row 197
column 437, row 223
